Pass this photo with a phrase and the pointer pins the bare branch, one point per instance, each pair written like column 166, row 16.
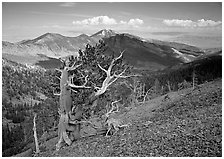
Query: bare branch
column 120, row 75
column 73, row 67
column 146, row 94
column 83, row 121
column 73, row 91
column 107, row 81
column 58, row 77
column 58, row 70
column 76, row 86
column 102, row 68
column 111, row 111
column 94, row 85
column 117, row 110
column 120, row 55
column 110, row 79
column 61, row 60
column 70, row 78
column 112, row 63
column 112, row 82
column 108, row 113
column 81, row 74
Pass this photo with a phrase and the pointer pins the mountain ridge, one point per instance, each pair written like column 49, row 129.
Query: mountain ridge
column 145, row 53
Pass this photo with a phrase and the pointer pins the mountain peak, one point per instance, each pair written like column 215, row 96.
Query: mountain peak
column 43, row 38
column 51, row 35
column 104, row 33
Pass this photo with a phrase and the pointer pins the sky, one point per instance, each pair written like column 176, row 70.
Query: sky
column 28, row 20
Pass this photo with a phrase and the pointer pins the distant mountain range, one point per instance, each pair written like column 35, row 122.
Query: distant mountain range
column 48, row 45
column 139, row 52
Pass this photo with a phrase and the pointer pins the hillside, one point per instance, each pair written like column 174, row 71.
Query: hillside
column 25, row 89
column 152, row 55
column 31, row 87
column 187, row 124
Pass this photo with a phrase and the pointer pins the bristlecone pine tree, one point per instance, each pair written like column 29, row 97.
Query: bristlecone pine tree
column 91, row 74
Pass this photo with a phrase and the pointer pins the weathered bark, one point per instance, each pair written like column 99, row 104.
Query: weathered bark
column 62, row 133
column 65, row 109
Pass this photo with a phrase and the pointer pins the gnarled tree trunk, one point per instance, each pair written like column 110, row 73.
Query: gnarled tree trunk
column 65, row 110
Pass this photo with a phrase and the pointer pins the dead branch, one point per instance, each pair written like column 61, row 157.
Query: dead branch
column 58, row 77
column 74, row 90
column 73, row 67
column 95, row 86
column 112, row 63
column 146, row 94
column 61, row 60
column 102, row 68
column 76, row 86
column 112, row 108
column 58, row 70
column 110, row 78
column 116, row 124
column 83, row 121
column 35, row 134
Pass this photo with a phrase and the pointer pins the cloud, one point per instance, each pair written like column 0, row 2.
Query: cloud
column 135, row 22
column 99, row 20
column 204, row 23
column 190, row 23
column 177, row 22
column 123, row 22
column 105, row 20
column 67, row 4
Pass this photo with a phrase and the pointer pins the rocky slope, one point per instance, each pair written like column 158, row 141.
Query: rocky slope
column 188, row 124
